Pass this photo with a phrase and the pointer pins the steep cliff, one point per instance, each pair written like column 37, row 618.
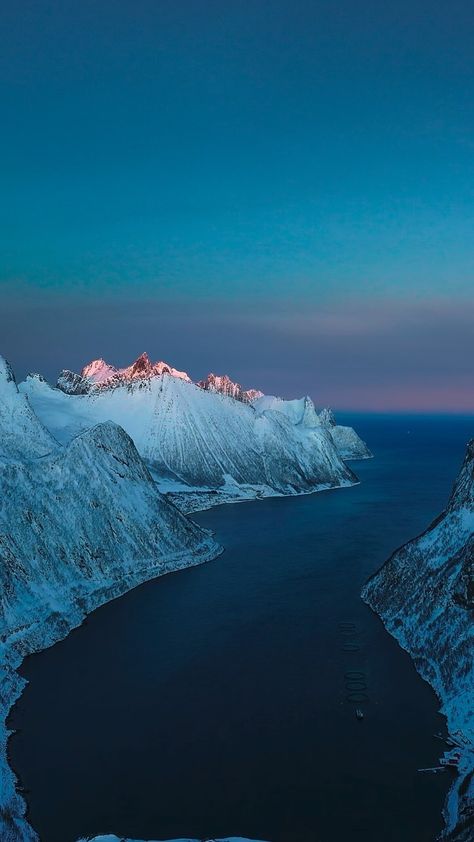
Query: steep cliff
column 425, row 596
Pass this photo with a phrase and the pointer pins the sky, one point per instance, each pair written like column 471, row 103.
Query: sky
column 281, row 191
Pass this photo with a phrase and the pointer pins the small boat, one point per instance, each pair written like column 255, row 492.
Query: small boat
column 359, row 714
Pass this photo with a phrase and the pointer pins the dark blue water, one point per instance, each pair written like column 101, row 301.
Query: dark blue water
column 214, row 701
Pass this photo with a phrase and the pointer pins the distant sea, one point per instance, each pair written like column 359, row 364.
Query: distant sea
column 221, row 700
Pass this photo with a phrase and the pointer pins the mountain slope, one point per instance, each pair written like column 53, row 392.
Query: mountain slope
column 200, row 438
column 425, row 596
column 302, row 413
column 79, row 526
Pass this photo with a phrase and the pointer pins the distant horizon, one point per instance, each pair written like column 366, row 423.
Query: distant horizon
column 283, row 194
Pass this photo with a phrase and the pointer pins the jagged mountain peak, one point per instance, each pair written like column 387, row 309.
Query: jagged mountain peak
column 223, row 384
column 142, row 363
column 99, row 374
column 98, row 370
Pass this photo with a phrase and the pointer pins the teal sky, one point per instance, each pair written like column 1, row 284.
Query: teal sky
column 258, row 165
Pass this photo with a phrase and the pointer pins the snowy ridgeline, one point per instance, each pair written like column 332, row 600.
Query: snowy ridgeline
column 197, row 438
column 425, row 596
column 82, row 520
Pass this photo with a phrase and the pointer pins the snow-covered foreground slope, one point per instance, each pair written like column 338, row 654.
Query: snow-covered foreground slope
column 425, row 597
column 200, row 439
column 79, row 525
column 302, row 413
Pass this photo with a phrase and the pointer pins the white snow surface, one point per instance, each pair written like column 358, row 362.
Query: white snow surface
column 79, row 525
column 425, row 596
column 200, row 438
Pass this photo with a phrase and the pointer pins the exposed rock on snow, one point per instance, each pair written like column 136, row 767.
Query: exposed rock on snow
column 201, row 439
column 302, row 413
column 98, row 375
column 425, row 596
column 327, row 418
column 226, row 386
column 79, row 526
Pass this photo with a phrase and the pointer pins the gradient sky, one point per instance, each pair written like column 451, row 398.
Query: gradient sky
column 280, row 190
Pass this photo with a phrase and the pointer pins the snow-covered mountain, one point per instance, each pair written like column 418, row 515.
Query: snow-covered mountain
column 79, row 525
column 302, row 413
column 197, row 438
column 425, row 596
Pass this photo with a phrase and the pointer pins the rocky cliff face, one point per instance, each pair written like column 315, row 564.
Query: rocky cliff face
column 302, row 413
column 425, row 597
column 79, row 525
column 347, row 442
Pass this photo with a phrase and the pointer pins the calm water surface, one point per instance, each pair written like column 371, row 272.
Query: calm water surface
column 214, row 701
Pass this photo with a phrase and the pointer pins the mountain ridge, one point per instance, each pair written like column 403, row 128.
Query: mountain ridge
column 199, row 438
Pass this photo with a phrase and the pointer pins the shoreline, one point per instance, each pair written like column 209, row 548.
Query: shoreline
column 452, row 808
